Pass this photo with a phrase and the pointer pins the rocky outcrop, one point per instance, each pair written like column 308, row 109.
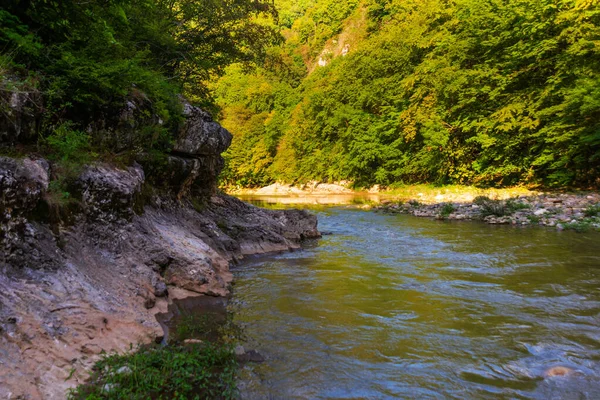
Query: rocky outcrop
column 108, row 194
column 195, row 163
column 201, row 135
column 20, row 108
column 70, row 291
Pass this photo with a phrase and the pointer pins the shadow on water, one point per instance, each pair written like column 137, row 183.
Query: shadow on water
column 203, row 318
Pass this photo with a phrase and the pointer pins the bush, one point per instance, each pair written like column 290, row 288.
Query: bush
column 446, row 210
column 498, row 208
column 592, row 211
column 69, row 145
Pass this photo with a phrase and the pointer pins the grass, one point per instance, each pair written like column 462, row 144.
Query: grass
column 199, row 371
column 452, row 193
column 592, row 211
column 498, row 208
column 581, row 226
column 203, row 369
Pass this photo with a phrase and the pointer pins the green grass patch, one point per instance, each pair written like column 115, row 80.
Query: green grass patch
column 499, row 208
column 592, row 211
column 581, row 226
column 199, row 371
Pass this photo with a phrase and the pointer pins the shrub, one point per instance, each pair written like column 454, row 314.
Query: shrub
column 581, row 226
column 592, row 211
column 498, row 208
column 69, row 145
column 446, row 210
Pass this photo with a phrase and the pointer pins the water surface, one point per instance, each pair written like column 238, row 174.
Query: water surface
column 394, row 306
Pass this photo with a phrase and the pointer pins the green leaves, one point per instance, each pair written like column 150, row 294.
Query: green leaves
column 88, row 56
column 489, row 92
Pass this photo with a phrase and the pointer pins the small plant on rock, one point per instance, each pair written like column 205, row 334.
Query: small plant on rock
column 69, row 145
column 446, row 210
column 592, row 211
column 512, row 205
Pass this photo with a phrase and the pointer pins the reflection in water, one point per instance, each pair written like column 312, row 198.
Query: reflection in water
column 398, row 306
column 202, row 317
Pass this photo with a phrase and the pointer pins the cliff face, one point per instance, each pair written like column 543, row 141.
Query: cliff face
column 87, row 275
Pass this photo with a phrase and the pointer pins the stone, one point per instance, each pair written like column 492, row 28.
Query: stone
column 192, row 341
column 540, row 211
column 239, row 350
column 109, row 387
column 201, row 135
column 23, row 183
column 558, row 371
column 109, row 193
column 160, row 289
column 251, row 356
column 125, row 370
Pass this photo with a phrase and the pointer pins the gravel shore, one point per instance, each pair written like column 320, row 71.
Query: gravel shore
column 580, row 212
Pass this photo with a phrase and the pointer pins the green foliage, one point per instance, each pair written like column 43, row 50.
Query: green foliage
column 58, row 191
column 69, row 145
column 582, row 226
column 514, row 205
column 201, row 371
column 498, row 208
column 88, row 57
column 446, row 210
column 592, row 211
column 487, row 92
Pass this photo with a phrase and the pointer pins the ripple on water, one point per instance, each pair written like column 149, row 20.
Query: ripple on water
column 397, row 306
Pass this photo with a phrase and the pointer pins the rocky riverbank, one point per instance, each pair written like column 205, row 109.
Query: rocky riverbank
column 561, row 211
column 84, row 273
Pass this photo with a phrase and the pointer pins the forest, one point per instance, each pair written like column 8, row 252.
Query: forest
column 388, row 92
column 394, row 92
column 79, row 62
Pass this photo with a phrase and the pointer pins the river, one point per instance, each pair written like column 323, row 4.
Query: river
column 394, row 306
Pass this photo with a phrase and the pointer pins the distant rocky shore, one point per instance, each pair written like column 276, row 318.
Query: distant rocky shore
column 579, row 212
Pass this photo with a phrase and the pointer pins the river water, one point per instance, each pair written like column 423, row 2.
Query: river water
column 394, row 306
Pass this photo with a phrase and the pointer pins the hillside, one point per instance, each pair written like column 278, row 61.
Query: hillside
column 391, row 92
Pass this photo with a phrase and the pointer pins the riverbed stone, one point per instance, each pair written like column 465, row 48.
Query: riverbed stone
column 542, row 209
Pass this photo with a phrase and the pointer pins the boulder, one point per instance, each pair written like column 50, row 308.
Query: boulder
column 109, row 193
column 201, row 135
column 23, row 183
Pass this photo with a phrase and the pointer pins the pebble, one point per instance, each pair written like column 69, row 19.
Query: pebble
column 109, row 387
column 125, row 370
